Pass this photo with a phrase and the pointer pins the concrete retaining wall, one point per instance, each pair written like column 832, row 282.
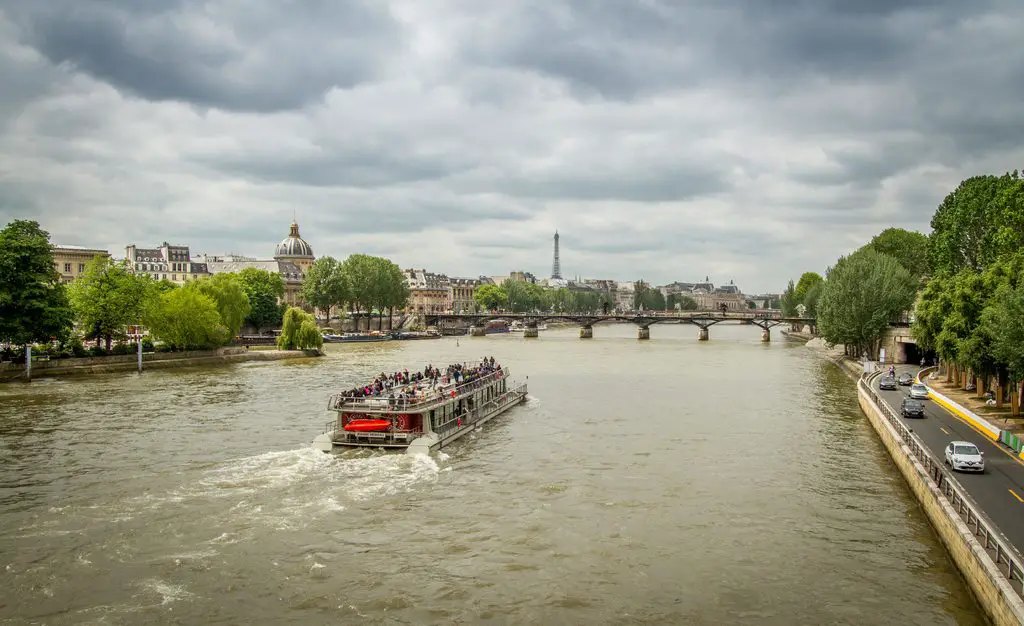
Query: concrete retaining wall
column 997, row 597
column 150, row 360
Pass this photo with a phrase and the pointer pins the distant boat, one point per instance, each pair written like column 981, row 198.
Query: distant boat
column 518, row 326
column 496, row 326
column 356, row 338
column 417, row 335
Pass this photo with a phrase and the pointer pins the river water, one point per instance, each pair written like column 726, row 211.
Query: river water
column 665, row 482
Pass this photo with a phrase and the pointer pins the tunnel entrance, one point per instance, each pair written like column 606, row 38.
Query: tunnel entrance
column 914, row 353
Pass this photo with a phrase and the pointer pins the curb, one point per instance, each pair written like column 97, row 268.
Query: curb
column 976, row 422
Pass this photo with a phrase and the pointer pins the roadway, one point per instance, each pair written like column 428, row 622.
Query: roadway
column 999, row 491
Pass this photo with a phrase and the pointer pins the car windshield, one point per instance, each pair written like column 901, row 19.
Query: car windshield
column 965, row 450
column 912, row 404
column 919, row 388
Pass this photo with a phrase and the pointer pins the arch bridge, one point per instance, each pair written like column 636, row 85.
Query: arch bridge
column 703, row 320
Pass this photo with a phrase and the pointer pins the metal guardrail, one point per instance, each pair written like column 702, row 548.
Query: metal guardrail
column 1007, row 559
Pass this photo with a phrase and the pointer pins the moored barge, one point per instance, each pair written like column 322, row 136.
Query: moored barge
column 421, row 413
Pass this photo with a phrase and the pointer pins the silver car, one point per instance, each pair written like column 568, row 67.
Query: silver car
column 919, row 392
column 964, row 456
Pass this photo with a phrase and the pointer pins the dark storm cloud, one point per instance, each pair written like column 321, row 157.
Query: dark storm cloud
column 756, row 138
column 257, row 57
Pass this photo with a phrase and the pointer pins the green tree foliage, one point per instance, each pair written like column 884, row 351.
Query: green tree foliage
column 490, row 297
column 228, row 292
column 861, row 296
column 107, row 297
column 979, row 222
column 1004, row 323
column 807, row 281
column 264, row 290
column 325, row 285
column 811, row 297
column 33, row 303
column 908, row 247
column 299, row 331
column 360, row 275
column 687, row 303
column 788, row 301
column 186, row 319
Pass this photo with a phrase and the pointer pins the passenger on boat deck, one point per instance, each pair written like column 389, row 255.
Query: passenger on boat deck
column 419, row 384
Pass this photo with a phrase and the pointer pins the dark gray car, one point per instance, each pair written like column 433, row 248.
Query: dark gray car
column 905, row 379
column 887, row 382
column 912, row 408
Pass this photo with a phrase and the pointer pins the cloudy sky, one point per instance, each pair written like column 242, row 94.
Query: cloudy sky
column 665, row 139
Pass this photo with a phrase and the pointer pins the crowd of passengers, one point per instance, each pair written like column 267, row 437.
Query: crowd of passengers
column 416, row 386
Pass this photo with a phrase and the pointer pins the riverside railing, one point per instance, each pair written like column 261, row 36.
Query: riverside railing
column 1007, row 559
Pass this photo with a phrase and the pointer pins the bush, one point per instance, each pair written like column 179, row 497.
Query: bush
column 123, row 348
column 96, row 351
column 147, row 345
column 164, row 348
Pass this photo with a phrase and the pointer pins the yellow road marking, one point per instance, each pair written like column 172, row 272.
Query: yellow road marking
column 1015, row 495
column 943, row 430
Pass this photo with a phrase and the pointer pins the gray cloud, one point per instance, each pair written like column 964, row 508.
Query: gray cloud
column 740, row 139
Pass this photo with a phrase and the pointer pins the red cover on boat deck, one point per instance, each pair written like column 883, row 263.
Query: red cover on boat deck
column 359, row 426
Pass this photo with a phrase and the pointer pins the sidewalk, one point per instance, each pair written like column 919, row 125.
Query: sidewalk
column 968, row 399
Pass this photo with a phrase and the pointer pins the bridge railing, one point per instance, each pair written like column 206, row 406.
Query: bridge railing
column 1007, row 559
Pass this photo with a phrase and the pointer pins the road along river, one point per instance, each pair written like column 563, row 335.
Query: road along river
column 668, row 481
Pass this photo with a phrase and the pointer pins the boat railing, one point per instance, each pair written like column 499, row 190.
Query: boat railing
column 509, row 397
column 438, row 395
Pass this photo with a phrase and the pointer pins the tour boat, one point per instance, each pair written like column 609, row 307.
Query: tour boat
column 415, row 335
column 422, row 415
column 496, row 326
column 518, row 326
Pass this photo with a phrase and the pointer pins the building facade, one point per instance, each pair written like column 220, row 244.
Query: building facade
column 462, row 294
column 70, row 261
column 429, row 293
column 173, row 263
column 293, row 257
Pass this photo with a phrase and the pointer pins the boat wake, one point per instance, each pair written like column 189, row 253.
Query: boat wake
column 292, row 488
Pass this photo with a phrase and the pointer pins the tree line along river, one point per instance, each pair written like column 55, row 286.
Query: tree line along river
column 667, row 481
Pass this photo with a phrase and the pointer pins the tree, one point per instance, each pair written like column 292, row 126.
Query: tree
column 807, row 281
column 687, row 303
column 908, row 247
column 360, row 276
column 490, row 297
column 33, row 301
column 979, row 222
column 107, row 297
column 324, row 285
column 789, row 301
column 397, row 291
column 186, row 319
column 863, row 293
column 264, row 290
column 299, row 331
column 227, row 291
column 1005, row 319
column 811, row 298
column 640, row 295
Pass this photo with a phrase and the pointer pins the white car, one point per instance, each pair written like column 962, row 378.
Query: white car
column 964, row 456
column 919, row 392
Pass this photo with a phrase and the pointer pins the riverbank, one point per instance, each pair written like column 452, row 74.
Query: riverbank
column 993, row 592
column 12, row 372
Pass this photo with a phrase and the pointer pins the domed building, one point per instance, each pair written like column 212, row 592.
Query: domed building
column 295, row 249
column 292, row 259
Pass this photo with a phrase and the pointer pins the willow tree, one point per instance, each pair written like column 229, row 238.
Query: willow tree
column 228, row 292
column 863, row 293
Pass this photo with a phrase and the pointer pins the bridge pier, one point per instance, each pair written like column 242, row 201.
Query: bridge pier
column 703, row 334
column 477, row 331
column 586, row 332
column 530, row 332
column 766, row 335
column 643, row 332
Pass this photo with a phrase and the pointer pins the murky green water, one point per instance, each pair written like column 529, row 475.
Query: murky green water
column 668, row 482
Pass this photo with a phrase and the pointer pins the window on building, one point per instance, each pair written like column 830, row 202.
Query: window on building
column 67, row 268
column 81, row 267
column 174, row 277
